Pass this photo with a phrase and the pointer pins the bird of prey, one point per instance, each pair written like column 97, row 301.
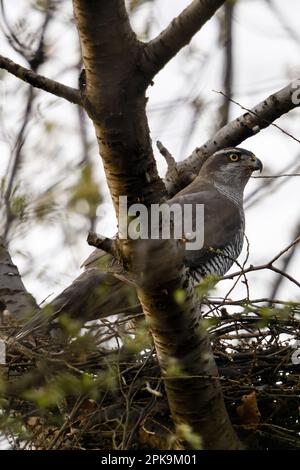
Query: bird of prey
column 219, row 186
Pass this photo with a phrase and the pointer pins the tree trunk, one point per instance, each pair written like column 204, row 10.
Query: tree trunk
column 114, row 98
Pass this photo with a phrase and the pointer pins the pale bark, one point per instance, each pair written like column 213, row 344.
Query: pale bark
column 159, row 51
column 13, row 294
column 261, row 116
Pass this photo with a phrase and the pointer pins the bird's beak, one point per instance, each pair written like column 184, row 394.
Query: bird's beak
column 257, row 164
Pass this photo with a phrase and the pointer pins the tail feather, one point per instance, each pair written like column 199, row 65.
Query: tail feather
column 95, row 294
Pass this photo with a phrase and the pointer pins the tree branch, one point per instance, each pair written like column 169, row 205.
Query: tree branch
column 115, row 100
column 225, row 33
column 269, row 265
column 39, row 81
column 177, row 35
column 104, row 243
column 13, row 294
column 235, row 132
column 285, row 264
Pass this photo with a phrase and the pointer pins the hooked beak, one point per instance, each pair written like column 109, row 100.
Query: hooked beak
column 257, row 164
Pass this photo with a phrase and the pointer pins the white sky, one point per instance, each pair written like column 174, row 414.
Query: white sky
column 265, row 58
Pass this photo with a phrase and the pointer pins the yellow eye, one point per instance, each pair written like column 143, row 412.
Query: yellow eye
column 234, row 157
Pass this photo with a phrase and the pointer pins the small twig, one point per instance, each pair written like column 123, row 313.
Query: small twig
column 66, row 423
column 103, row 243
column 39, row 81
column 285, row 264
column 166, row 154
column 269, row 266
column 282, row 252
column 171, row 174
column 256, row 128
column 277, row 176
column 254, row 120
column 259, row 268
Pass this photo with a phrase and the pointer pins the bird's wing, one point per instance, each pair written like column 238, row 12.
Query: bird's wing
column 223, row 220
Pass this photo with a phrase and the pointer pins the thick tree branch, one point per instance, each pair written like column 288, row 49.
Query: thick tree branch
column 285, row 262
column 270, row 265
column 13, row 294
column 39, row 81
column 186, row 360
column 235, row 132
column 177, row 35
column 115, row 100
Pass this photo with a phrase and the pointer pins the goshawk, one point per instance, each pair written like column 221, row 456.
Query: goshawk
column 219, row 187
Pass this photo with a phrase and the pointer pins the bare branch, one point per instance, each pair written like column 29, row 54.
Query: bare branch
column 226, row 41
column 269, row 265
column 178, row 34
column 235, row 132
column 104, row 243
column 170, row 160
column 284, row 175
column 286, row 260
column 285, row 250
column 256, row 129
column 39, row 81
column 260, row 268
column 166, row 154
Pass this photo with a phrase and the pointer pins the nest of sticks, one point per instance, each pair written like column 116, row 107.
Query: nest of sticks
column 102, row 389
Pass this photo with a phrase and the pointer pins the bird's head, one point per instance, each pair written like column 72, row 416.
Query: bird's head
column 231, row 166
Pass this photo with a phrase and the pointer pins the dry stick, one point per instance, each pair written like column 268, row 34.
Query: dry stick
column 166, row 154
column 129, row 403
column 226, row 32
column 255, row 114
column 39, row 81
column 254, row 301
column 291, row 167
column 282, row 252
column 171, row 173
column 66, row 423
column 259, row 268
column 276, row 176
column 269, row 266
